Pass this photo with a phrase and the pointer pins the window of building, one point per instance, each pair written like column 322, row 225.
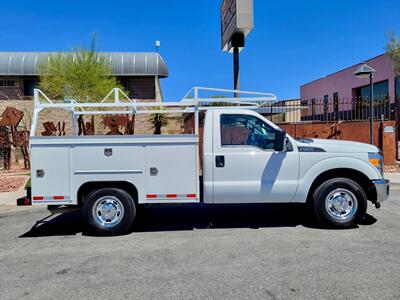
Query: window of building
column 397, row 88
column 29, row 85
column 313, row 110
column 381, row 91
column 336, row 102
column 326, row 101
column 7, row 83
column 246, row 130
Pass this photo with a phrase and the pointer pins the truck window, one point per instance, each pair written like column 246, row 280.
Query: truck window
column 246, row 130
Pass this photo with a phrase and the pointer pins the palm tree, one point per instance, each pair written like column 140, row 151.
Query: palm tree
column 158, row 120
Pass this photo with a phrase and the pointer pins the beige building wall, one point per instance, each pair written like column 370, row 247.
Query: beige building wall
column 293, row 113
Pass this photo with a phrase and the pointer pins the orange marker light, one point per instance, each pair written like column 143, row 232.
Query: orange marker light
column 375, row 162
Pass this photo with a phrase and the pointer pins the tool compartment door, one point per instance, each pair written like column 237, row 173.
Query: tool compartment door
column 172, row 173
column 50, row 174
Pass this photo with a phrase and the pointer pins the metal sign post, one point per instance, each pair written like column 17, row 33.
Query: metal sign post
column 236, row 24
column 371, row 109
column 365, row 71
column 236, row 71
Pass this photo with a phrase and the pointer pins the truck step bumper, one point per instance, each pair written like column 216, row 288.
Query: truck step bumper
column 25, row 200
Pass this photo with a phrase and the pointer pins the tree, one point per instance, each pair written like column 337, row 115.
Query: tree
column 393, row 51
column 158, row 120
column 83, row 75
column 219, row 103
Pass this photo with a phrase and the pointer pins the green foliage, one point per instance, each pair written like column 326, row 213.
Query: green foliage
column 28, row 184
column 83, row 75
column 220, row 103
column 393, row 51
column 158, row 120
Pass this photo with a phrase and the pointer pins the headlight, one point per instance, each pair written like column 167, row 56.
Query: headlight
column 376, row 159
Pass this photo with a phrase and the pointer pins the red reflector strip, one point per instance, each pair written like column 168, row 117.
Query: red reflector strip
column 58, row 197
column 38, row 198
column 171, row 196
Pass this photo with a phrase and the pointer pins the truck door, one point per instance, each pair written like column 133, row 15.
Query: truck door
column 246, row 168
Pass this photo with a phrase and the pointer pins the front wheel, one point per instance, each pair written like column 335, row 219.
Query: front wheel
column 109, row 211
column 340, row 203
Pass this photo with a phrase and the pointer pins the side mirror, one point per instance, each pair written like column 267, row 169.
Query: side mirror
column 280, row 140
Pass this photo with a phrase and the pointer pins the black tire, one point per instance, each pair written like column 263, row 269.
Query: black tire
column 327, row 214
column 109, row 196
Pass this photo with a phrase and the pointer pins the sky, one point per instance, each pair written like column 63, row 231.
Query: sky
column 293, row 41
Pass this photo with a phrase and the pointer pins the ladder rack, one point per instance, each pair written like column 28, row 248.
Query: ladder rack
column 190, row 103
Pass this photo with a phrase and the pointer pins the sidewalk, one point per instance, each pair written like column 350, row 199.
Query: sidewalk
column 8, row 200
column 393, row 177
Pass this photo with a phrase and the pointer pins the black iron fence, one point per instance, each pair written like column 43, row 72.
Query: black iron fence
column 330, row 110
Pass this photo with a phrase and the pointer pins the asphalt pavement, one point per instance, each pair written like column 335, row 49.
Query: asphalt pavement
column 216, row 252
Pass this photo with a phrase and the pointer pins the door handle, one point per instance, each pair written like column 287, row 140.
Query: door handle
column 219, row 161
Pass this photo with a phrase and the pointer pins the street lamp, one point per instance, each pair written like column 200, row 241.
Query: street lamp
column 365, row 71
column 158, row 44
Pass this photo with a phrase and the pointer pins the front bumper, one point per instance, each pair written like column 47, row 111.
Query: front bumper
column 382, row 189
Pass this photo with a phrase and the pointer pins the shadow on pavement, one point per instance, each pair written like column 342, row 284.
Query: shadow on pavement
column 69, row 223
column 168, row 217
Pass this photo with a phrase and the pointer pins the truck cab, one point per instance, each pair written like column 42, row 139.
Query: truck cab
column 247, row 159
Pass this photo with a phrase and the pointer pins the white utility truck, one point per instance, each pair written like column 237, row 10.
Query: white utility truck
column 245, row 159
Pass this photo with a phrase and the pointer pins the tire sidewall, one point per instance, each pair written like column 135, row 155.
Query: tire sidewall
column 129, row 211
column 319, row 198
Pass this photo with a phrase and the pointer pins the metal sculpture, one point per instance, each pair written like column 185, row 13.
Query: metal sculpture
column 87, row 128
column 20, row 139
column 10, row 136
column 114, row 122
column 5, row 147
column 11, row 117
column 52, row 130
column 130, row 125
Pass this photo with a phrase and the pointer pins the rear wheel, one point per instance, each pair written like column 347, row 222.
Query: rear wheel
column 109, row 211
column 340, row 203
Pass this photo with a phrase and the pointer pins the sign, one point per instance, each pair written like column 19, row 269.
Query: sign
column 236, row 22
column 388, row 129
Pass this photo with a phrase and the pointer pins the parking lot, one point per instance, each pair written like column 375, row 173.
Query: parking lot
column 260, row 251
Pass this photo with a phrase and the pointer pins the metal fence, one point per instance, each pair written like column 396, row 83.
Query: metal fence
column 330, row 110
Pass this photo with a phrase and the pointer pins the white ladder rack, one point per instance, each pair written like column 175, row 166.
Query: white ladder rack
column 188, row 104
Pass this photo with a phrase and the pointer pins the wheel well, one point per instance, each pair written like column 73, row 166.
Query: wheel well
column 352, row 174
column 88, row 187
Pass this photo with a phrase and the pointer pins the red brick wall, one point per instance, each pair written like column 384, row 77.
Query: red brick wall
column 140, row 87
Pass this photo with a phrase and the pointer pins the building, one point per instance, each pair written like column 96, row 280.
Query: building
column 342, row 95
column 138, row 72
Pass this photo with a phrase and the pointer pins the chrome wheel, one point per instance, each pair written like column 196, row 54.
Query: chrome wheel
column 108, row 211
column 341, row 204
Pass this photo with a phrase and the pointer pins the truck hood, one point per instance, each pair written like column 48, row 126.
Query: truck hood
column 337, row 146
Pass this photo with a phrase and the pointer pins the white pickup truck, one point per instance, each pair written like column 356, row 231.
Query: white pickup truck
column 245, row 159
